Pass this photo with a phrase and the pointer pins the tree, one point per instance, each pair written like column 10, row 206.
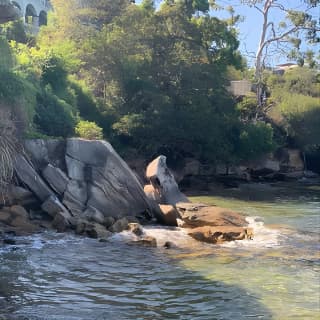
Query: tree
column 161, row 73
column 279, row 35
column 88, row 130
column 296, row 107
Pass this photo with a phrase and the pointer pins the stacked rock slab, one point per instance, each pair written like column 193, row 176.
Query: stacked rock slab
column 213, row 224
column 80, row 181
column 163, row 182
column 204, row 223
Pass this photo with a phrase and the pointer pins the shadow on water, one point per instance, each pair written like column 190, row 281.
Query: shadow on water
column 85, row 279
column 266, row 192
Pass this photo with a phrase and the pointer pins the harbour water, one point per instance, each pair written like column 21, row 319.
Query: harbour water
column 274, row 276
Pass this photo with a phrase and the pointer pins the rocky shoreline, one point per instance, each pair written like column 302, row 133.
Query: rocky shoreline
column 84, row 187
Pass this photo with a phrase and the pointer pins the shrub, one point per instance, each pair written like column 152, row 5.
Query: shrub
column 88, row 130
column 54, row 117
column 255, row 140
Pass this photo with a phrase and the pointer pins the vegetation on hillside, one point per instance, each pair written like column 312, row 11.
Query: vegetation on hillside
column 146, row 79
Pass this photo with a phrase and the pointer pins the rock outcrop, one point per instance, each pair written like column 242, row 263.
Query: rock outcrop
column 79, row 184
column 195, row 215
column 220, row 234
column 164, row 183
column 204, row 223
column 15, row 220
column 213, row 224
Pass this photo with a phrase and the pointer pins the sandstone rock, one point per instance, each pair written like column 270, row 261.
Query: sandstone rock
column 15, row 220
column 147, row 241
column 91, row 152
column 92, row 214
column 170, row 215
column 62, row 221
column 5, row 215
column 91, row 229
column 136, row 229
column 31, row 178
column 295, row 161
column 199, row 215
column 120, row 225
column 107, row 200
column 113, row 188
column 19, row 211
column 20, row 196
column 98, row 231
column 45, row 151
column 75, row 169
column 75, row 197
column 220, row 234
column 163, row 182
column 52, row 206
column 109, row 221
column 56, row 178
column 151, row 193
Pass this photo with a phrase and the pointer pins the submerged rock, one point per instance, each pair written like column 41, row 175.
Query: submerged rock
column 220, row 234
column 147, row 241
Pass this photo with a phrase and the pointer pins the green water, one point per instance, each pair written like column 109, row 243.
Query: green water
column 284, row 274
column 53, row 276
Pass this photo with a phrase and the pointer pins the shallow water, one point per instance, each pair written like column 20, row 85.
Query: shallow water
column 275, row 276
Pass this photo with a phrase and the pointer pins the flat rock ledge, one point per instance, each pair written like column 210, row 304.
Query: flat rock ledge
column 204, row 223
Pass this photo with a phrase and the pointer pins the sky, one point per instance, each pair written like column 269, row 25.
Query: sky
column 250, row 28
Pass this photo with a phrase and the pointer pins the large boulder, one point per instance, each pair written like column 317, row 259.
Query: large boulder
column 15, row 220
column 170, row 215
column 164, row 182
column 56, row 178
column 213, row 224
column 18, row 195
column 45, row 151
column 113, row 189
column 28, row 175
column 195, row 215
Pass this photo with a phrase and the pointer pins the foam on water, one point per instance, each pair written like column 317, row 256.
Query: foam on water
column 178, row 237
column 263, row 237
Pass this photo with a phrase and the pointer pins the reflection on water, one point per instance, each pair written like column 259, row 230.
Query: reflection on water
column 84, row 279
column 275, row 276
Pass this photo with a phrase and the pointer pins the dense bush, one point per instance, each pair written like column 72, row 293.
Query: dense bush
column 88, row 130
column 296, row 106
column 54, row 117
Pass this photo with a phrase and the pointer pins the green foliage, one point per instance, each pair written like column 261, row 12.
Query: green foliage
column 54, row 117
column 15, row 31
column 6, row 60
column 295, row 96
column 255, row 139
column 11, row 87
column 296, row 81
column 88, row 130
column 152, row 80
column 247, row 107
column 54, row 73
